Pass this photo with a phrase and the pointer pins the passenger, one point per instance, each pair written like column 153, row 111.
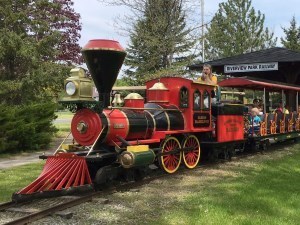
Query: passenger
column 207, row 75
column 279, row 108
column 256, row 103
column 286, row 109
column 209, row 78
column 260, row 109
column 254, row 121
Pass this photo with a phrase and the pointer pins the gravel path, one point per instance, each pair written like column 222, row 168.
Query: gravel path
column 27, row 158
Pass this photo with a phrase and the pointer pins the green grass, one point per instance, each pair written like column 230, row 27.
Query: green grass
column 267, row 194
column 65, row 127
column 64, row 115
column 16, row 178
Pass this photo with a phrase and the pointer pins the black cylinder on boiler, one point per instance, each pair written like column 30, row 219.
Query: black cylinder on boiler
column 104, row 59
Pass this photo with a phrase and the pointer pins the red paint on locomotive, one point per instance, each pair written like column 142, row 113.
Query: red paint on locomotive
column 135, row 101
column 86, row 126
column 180, row 93
column 117, row 125
column 158, row 93
column 103, row 44
column 230, row 128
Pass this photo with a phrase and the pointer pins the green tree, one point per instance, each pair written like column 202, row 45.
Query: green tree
column 38, row 40
column 235, row 29
column 159, row 42
column 26, row 127
column 292, row 36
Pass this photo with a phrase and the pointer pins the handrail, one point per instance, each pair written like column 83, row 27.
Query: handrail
column 92, row 148
column 61, row 144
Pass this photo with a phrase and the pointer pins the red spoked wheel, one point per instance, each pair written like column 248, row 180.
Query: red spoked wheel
column 170, row 162
column 191, row 157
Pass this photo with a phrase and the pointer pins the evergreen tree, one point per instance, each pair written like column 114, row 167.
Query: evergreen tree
column 236, row 29
column 159, row 42
column 292, row 36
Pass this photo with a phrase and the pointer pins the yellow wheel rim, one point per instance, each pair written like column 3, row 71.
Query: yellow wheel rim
column 170, row 163
column 191, row 158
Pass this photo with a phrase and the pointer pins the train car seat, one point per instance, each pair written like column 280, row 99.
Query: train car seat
column 289, row 119
column 271, row 125
column 297, row 121
column 280, row 122
column 263, row 124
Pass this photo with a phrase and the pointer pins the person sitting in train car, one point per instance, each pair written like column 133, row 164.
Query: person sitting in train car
column 254, row 121
column 260, row 108
column 207, row 75
column 278, row 108
column 286, row 109
column 255, row 102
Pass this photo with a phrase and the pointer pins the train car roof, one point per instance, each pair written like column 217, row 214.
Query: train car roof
column 257, row 84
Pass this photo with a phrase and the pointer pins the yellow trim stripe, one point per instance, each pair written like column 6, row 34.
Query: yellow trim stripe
column 138, row 148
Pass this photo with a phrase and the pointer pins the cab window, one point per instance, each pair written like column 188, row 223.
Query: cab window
column 206, row 100
column 197, row 100
column 183, row 98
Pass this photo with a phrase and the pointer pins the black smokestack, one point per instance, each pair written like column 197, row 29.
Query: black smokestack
column 104, row 59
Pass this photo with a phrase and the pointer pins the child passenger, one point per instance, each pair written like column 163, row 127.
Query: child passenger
column 254, row 121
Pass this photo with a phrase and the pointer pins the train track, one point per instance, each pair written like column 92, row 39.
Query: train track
column 65, row 202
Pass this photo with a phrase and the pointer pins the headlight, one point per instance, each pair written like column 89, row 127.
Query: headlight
column 70, row 88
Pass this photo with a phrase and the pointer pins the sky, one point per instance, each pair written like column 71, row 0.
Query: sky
column 98, row 19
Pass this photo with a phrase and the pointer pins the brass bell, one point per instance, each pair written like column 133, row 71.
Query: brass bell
column 117, row 100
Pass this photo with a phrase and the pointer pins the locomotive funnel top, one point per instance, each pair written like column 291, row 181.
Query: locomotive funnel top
column 104, row 59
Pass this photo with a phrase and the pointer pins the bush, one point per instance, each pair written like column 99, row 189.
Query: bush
column 27, row 127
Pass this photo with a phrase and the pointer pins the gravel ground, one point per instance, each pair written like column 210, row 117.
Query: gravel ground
column 148, row 202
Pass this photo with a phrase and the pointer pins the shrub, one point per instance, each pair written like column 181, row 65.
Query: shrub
column 26, row 127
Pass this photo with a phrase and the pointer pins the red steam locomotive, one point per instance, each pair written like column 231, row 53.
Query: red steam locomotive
column 175, row 124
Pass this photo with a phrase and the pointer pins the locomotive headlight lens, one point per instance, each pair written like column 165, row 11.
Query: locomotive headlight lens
column 70, row 88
